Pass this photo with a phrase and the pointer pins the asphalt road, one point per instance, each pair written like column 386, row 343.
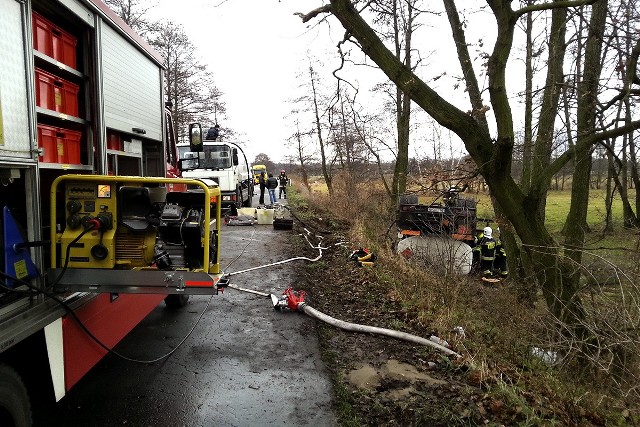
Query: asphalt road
column 245, row 364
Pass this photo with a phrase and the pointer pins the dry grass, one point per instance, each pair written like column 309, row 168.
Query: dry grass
column 499, row 332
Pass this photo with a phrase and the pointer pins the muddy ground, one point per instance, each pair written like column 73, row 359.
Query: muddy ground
column 381, row 381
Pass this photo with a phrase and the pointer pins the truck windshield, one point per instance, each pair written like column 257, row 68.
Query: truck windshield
column 213, row 157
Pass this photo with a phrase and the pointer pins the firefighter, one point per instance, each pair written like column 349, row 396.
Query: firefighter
column 283, row 181
column 500, row 263
column 487, row 252
column 475, row 262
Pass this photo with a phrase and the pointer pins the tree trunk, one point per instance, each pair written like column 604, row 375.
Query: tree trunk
column 527, row 159
column 577, row 218
column 403, row 102
column 608, row 201
column 302, row 159
column 549, row 109
column 323, row 158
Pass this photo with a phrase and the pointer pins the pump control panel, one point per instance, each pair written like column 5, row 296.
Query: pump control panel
column 90, row 208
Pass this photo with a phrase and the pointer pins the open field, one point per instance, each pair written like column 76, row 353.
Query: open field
column 558, row 207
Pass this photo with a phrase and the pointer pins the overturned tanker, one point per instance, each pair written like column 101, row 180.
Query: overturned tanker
column 438, row 233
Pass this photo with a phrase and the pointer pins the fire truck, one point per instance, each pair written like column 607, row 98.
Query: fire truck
column 96, row 227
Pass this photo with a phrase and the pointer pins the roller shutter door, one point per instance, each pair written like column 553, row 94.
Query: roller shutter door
column 132, row 87
column 14, row 113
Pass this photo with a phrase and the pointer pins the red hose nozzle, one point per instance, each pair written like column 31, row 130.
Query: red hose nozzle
column 294, row 298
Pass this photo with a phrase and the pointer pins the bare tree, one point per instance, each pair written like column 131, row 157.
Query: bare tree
column 263, row 159
column 316, row 106
column 399, row 18
column 133, row 13
column 189, row 86
column 623, row 167
column 493, row 153
column 297, row 141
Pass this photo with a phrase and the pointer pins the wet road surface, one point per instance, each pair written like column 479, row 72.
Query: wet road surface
column 245, row 364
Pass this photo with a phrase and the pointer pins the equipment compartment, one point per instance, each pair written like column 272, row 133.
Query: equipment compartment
column 54, row 42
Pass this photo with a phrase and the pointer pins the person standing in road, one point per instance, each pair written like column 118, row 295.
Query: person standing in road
column 262, row 181
column 283, row 181
column 272, row 184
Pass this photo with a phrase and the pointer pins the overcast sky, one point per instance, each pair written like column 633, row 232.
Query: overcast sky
column 254, row 48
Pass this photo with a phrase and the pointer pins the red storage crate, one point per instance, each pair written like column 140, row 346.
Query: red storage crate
column 53, row 41
column 113, row 141
column 47, row 141
column 54, row 93
column 59, row 145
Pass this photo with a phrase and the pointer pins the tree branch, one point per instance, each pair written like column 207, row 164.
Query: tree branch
column 306, row 17
column 546, row 175
column 554, row 5
column 445, row 113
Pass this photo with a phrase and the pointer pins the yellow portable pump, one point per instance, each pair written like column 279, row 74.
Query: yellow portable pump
column 129, row 235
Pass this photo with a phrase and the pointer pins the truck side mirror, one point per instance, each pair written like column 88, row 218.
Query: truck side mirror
column 235, row 157
column 195, row 137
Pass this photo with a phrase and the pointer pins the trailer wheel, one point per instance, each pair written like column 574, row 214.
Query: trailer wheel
column 15, row 409
column 176, row 301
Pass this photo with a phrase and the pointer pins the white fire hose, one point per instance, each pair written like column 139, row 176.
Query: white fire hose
column 354, row 327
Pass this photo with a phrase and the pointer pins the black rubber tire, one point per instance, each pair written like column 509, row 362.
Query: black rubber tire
column 15, row 408
column 176, row 301
column 282, row 225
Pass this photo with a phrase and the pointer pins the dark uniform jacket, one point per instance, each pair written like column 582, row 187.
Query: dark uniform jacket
column 272, row 182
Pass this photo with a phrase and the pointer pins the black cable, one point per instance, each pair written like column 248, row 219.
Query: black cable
column 96, row 339
column 75, row 316
column 242, row 251
column 67, row 255
column 3, row 285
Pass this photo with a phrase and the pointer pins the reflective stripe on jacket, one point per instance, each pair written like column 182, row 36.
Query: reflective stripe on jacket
column 487, row 249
